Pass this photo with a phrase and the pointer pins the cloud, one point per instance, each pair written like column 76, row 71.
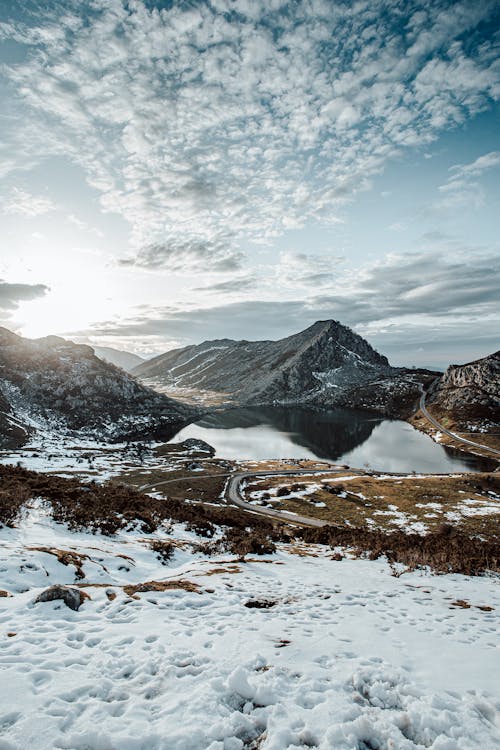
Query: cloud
column 416, row 297
column 234, row 285
column 21, row 202
column 214, row 124
column 186, row 255
column 307, row 270
column 12, row 294
column 463, row 189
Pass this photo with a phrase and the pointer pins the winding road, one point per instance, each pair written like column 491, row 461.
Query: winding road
column 453, row 435
column 233, row 496
column 232, row 490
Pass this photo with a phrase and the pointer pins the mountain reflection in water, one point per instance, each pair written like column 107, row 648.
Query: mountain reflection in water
column 342, row 435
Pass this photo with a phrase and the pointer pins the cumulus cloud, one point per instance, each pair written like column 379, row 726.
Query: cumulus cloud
column 227, row 121
column 12, row 294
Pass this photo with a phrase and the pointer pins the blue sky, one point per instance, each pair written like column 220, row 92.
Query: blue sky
column 176, row 171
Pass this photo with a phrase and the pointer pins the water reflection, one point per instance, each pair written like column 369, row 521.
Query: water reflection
column 341, row 435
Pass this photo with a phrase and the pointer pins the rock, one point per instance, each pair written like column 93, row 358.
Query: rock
column 196, row 445
column 473, row 387
column 73, row 598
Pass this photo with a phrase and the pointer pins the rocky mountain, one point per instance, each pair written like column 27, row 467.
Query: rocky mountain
column 470, row 391
column 51, row 383
column 327, row 364
column 126, row 360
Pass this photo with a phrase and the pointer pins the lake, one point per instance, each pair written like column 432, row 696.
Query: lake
column 356, row 438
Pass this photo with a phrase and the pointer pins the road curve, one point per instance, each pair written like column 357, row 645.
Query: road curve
column 233, row 495
column 451, row 434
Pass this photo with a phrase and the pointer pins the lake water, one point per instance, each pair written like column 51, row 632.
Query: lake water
column 356, row 438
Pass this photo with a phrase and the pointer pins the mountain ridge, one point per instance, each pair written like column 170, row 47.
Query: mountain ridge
column 126, row 360
column 326, row 364
column 54, row 384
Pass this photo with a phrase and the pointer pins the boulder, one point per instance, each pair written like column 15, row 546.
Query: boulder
column 71, row 596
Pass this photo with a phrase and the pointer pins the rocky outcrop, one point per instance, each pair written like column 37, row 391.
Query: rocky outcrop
column 470, row 390
column 327, row 364
column 51, row 383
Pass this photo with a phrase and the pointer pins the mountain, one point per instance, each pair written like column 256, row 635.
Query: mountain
column 471, row 391
column 126, row 360
column 51, row 383
column 327, row 364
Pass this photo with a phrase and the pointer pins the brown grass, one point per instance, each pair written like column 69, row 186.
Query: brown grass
column 164, row 549
column 65, row 557
column 221, row 571
column 459, row 424
column 110, row 507
column 140, row 588
column 446, row 550
column 410, row 496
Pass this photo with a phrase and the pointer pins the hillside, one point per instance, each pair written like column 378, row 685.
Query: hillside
column 203, row 628
column 471, row 390
column 53, row 384
column 126, row 360
column 466, row 401
column 326, row 364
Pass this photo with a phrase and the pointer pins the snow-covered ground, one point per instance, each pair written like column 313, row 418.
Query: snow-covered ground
column 348, row 657
column 62, row 454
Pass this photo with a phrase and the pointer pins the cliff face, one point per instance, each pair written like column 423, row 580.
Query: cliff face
column 55, row 384
column 471, row 389
column 327, row 364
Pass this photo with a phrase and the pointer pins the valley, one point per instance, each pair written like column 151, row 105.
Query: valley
column 279, row 562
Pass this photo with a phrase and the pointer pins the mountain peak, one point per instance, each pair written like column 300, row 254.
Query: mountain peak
column 292, row 368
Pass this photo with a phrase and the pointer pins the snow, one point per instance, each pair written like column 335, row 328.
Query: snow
column 48, row 451
column 349, row 657
column 256, row 496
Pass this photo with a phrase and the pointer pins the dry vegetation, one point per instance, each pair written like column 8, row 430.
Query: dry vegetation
column 369, row 501
column 111, row 507
column 141, row 588
column 461, row 427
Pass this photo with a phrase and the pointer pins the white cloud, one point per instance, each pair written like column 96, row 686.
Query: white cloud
column 21, row 202
column 463, row 188
column 447, row 306
column 202, row 130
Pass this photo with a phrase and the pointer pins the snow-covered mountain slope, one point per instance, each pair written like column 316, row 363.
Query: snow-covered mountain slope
column 53, row 384
column 325, row 364
column 286, row 651
column 126, row 360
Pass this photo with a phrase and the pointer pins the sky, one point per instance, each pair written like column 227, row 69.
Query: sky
column 175, row 171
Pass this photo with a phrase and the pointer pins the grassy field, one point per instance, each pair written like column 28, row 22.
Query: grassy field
column 414, row 503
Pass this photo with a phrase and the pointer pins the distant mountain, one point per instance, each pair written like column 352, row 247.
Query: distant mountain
column 470, row 391
column 51, row 383
column 126, row 360
column 327, row 364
